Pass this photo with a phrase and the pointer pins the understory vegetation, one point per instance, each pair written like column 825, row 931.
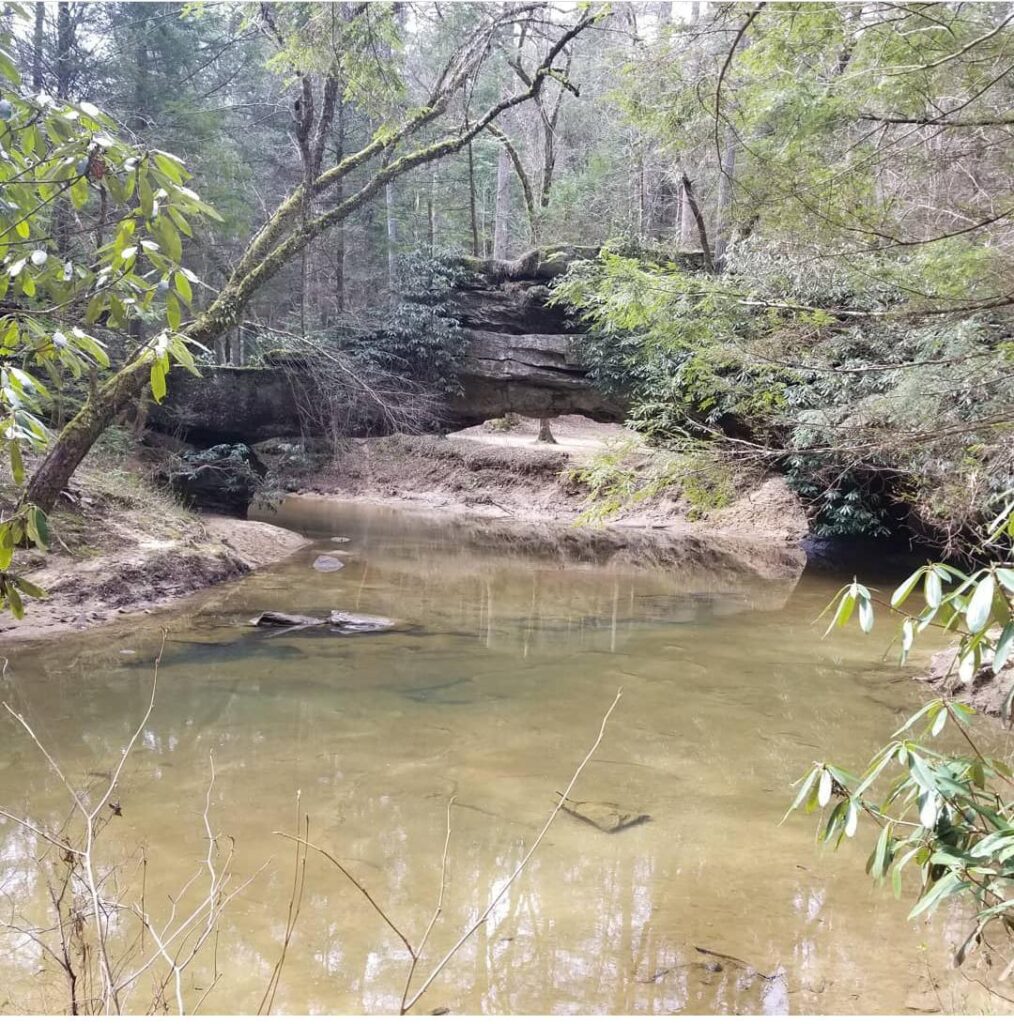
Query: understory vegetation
column 881, row 416
column 944, row 812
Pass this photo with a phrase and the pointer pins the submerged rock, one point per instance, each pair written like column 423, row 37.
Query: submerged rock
column 284, row 619
column 342, row 623
column 348, row 623
column 327, row 563
column 607, row 817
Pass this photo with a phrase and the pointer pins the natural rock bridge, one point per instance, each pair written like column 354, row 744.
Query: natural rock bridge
column 522, row 357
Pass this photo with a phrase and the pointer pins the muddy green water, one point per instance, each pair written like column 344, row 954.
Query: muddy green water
column 493, row 696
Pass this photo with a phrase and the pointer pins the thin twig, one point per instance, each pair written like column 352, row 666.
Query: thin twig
column 436, row 912
column 517, row 871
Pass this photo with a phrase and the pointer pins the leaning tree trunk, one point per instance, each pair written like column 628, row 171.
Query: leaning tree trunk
column 108, row 400
column 78, row 436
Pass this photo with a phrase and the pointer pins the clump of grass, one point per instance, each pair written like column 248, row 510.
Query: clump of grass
column 625, row 475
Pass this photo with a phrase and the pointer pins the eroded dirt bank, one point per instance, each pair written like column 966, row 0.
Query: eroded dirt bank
column 141, row 573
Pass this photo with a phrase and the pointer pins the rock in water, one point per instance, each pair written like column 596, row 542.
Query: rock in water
column 348, row 623
column 327, row 563
column 606, row 817
column 284, row 619
column 338, row 622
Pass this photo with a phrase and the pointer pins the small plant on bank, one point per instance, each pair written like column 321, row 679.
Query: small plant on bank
column 949, row 815
column 624, row 475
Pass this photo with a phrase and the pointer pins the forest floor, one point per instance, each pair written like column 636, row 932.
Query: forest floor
column 122, row 545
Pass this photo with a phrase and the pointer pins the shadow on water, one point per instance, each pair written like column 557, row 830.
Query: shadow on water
column 490, row 690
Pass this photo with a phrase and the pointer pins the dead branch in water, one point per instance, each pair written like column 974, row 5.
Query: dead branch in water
column 415, row 952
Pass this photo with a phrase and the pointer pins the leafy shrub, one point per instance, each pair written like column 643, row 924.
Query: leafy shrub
column 951, row 815
column 418, row 336
column 828, row 370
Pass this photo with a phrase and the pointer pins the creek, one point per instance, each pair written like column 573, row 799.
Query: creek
column 491, row 691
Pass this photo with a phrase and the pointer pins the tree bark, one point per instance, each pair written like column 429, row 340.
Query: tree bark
column 64, row 45
column 476, row 251
column 526, row 185
column 500, row 212
column 723, row 217
column 392, row 239
column 545, row 433
column 38, row 46
column 702, row 231
column 339, row 238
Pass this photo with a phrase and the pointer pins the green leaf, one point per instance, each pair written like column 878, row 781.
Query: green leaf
column 37, row 526
column 865, row 614
column 1006, row 578
column 851, row 819
column 144, row 194
column 981, row 604
column 932, row 588
column 17, row 466
column 183, row 289
column 904, row 591
column 29, row 588
column 948, row 885
column 172, row 311
column 79, row 192
column 939, row 722
column 882, row 854
column 158, row 388
column 804, row 788
column 14, row 600
column 1003, row 647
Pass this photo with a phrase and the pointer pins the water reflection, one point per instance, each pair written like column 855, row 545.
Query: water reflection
column 490, row 693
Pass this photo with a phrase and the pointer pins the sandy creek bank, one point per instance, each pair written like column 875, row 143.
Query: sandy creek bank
column 147, row 572
column 116, row 553
column 501, row 489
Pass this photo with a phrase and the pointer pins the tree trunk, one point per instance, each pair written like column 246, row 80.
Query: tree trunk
column 723, row 218
column 392, row 239
column 339, row 238
column 38, row 44
column 702, row 231
column 545, row 433
column 431, row 212
column 64, row 45
column 501, row 228
column 476, row 251
column 78, row 436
